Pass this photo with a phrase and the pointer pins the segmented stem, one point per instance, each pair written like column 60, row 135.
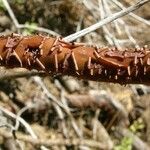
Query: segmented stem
column 55, row 56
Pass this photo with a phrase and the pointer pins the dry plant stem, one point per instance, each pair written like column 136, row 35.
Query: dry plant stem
column 55, row 56
column 57, row 105
column 20, row 75
column 142, row 20
column 104, row 11
column 95, row 123
column 55, row 142
column 21, row 120
column 77, row 130
column 105, row 21
column 21, row 26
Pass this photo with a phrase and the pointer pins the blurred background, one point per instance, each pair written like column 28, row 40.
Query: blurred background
column 63, row 113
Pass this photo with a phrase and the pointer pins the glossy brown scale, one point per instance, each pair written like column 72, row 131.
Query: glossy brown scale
column 11, row 55
column 120, row 59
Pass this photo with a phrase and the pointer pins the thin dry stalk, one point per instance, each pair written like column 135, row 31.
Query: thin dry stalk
column 55, row 142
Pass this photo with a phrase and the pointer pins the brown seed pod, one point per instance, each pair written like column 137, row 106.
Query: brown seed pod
column 55, row 56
